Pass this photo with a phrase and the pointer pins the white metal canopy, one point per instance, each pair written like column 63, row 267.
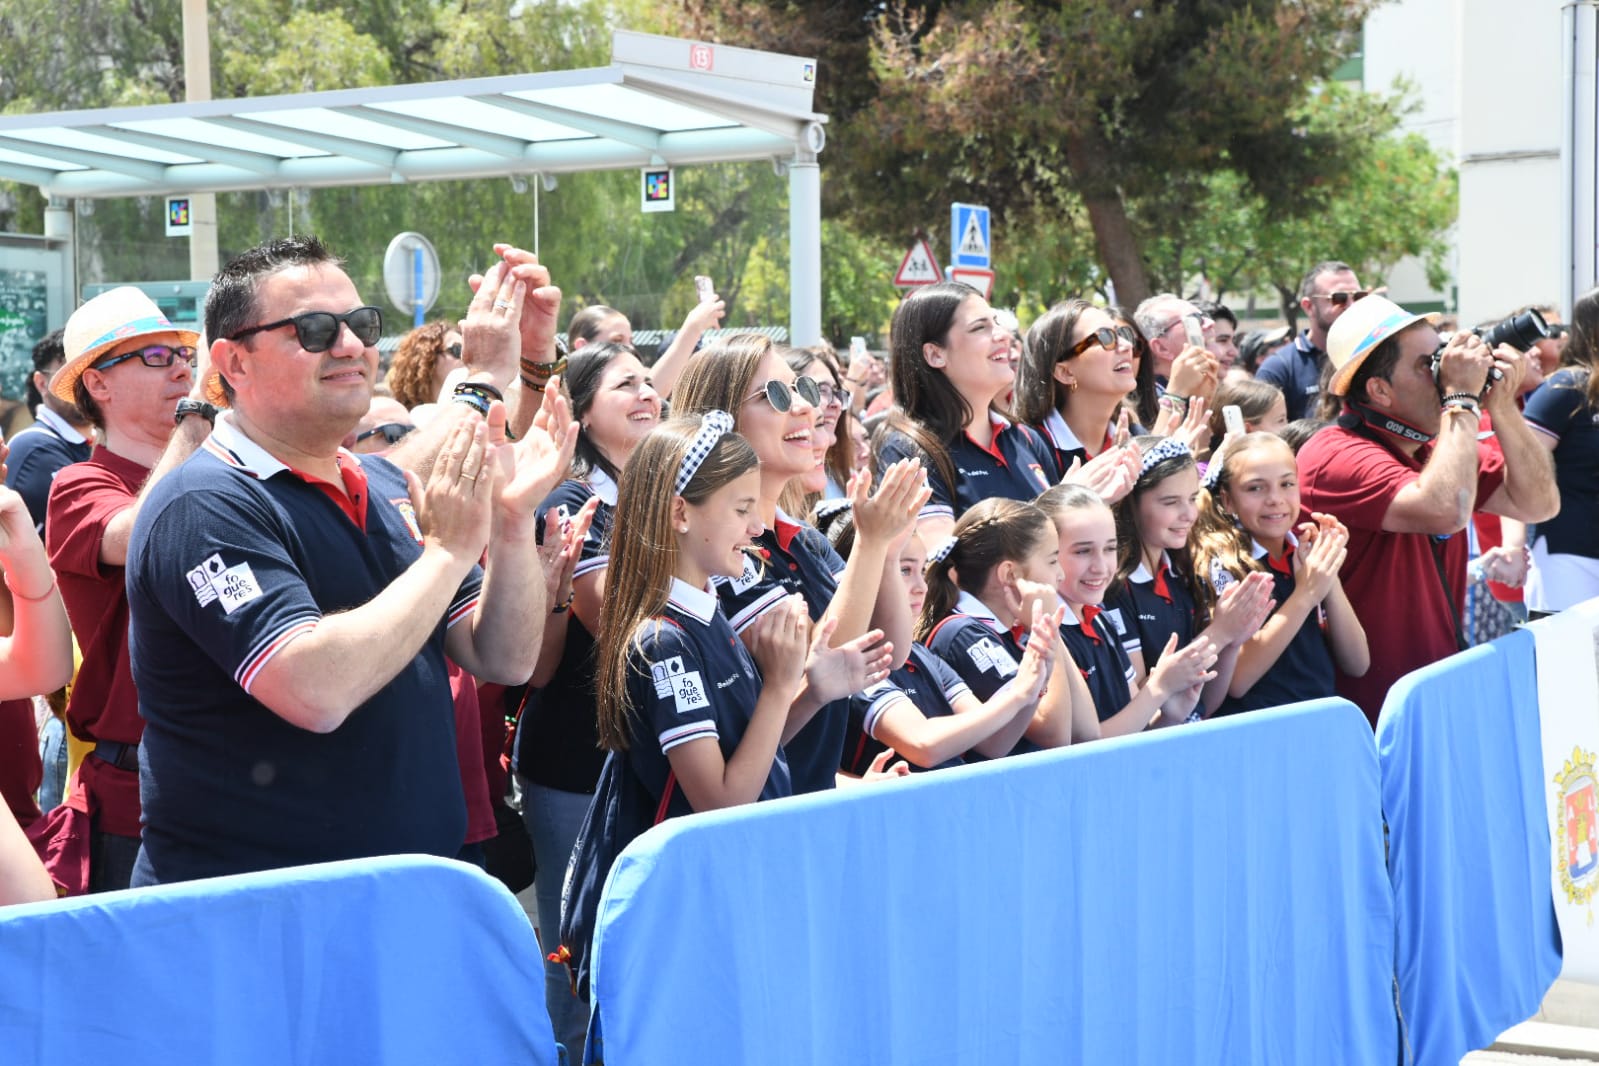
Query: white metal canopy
column 662, row 101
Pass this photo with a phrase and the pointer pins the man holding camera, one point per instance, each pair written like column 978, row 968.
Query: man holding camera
column 1404, row 470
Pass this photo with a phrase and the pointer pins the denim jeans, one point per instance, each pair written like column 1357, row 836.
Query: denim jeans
column 553, row 820
column 53, row 750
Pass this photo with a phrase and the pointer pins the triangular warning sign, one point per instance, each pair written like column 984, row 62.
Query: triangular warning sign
column 972, row 241
column 918, row 267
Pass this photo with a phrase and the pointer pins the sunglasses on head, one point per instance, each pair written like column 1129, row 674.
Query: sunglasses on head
column 780, row 394
column 1104, row 336
column 1343, row 298
column 391, row 431
column 317, row 331
column 156, row 355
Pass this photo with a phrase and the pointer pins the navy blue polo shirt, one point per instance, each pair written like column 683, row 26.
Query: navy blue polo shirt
column 1018, row 466
column 1146, row 609
column 1295, row 368
column 1100, row 658
column 37, row 454
column 1304, row 670
column 1063, row 445
column 690, row 678
column 557, row 739
column 794, row 557
column 1559, row 407
column 982, row 651
column 926, row 682
column 232, row 557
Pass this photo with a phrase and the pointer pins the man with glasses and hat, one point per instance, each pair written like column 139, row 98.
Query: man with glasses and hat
column 293, row 603
column 1328, row 290
column 1404, row 470
column 128, row 370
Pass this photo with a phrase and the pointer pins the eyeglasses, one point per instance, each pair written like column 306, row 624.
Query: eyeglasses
column 156, row 355
column 780, row 394
column 392, row 432
column 454, row 350
column 1104, row 336
column 1203, row 320
column 317, row 331
column 832, row 394
column 1342, row 298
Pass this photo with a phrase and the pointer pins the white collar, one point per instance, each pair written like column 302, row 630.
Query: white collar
column 604, row 487
column 228, row 443
column 1260, row 551
column 699, row 604
column 1142, row 575
column 58, row 425
column 968, row 604
column 1060, row 434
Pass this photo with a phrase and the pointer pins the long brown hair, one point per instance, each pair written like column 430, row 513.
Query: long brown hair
column 1129, row 544
column 1048, row 340
column 721, row 376
column 928, row 408
column 988, row 534
column 644, row 553
column 1582, row 345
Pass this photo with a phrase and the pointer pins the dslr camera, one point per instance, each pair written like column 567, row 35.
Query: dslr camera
column 1521, row 332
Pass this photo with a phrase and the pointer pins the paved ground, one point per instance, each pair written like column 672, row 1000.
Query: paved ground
column 1565, row 1030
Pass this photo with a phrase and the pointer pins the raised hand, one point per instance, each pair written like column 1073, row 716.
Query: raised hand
column 540, row 312
column 1195, row 428
column 833, row 673
column 1112, row 473
column 1240, row 610
column 778, row 643
column 1181, row 670
column 1038, row 658
column 490, row 341
column 531, row 467
column 455, row 507
column 1034, row 600
column 563, row 546
column 885, row 516
column 1317, row 563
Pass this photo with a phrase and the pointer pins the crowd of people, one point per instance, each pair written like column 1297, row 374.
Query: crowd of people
column 322, row 615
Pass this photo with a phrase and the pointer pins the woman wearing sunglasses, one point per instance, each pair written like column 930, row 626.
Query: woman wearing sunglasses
column 775, row 410
column 950, row 364
column 424, row 358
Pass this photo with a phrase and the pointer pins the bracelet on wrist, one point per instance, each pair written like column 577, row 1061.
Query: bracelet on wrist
column 471, row 398
column 45, row 595
column 533, row 366
column 565, row 605
column 535, row 386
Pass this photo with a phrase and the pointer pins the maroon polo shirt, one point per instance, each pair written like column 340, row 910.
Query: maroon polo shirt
column 103, row 705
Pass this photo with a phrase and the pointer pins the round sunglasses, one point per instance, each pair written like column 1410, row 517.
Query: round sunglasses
column 156, row 355
column 780, row 394
column 317, row 331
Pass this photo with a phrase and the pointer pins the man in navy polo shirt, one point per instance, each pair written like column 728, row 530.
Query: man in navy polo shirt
column 292, row 603
column 1328, row 290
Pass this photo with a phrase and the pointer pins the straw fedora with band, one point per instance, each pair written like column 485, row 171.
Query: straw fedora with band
column 111, row 319
column 1358, row 332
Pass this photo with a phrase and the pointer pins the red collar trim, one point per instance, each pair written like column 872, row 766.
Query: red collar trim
column 353, row 499
column 993, row 447
column 785, row 531
column 1086, row 623
column 1283, row 564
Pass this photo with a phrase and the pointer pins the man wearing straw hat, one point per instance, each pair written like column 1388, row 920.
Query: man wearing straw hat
column 1404, row 469
column 127, row 367
column 293, row 603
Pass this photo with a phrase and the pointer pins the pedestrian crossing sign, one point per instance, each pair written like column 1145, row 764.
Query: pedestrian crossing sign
column 969, row 236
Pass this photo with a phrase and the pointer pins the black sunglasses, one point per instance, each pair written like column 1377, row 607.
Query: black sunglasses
column 454, row 350
column 781, row 394
column 317, row 331
column 1343, row 297
column 1104, row 336
column 392, row 432
column 156, row 355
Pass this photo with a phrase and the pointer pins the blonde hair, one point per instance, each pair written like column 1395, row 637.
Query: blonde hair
column 1220, row 545
column 644, row 551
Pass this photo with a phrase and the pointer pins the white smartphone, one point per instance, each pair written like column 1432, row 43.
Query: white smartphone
column 1194, row 331
column 706, row 290
column 857, row 347
column 1233, row 416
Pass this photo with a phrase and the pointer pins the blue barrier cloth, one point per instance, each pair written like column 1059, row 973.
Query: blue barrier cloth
column 1214, row 894
column 1477, row 946
column 400, row 960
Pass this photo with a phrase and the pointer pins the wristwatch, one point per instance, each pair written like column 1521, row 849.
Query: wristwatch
column 187, row 407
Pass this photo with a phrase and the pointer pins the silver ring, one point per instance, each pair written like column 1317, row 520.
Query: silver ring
column 501, row 305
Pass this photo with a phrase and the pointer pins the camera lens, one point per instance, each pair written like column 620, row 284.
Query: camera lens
column 1521, row 331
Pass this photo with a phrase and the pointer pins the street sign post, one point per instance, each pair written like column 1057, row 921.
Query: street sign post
column 969, row 243
column 919, row 267
column 979, row 279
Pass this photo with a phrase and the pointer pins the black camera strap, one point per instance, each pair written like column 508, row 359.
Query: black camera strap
column 1358, row 416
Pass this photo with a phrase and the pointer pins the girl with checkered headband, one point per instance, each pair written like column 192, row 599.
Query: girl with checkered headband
column 1153, row 597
